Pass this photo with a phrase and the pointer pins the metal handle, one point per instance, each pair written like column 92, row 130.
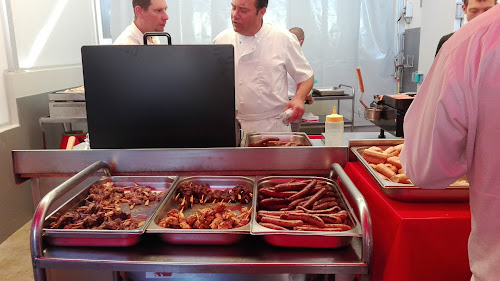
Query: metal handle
column 364, row 215
column 46, row 202
column 149, row 34
column 352, row 88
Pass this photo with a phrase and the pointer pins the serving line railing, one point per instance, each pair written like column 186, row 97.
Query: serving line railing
column 252, row 256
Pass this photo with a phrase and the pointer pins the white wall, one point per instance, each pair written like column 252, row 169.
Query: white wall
column 436, row 19
column 50, row 33
column 4, row 102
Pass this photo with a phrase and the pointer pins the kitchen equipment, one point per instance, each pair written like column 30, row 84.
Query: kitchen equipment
column 406, row 192
column 333, row 91
column 361, row 87
column 69, row 103
column 161, row 96
column 300, row 138
column 392, row 110
column 201, row 236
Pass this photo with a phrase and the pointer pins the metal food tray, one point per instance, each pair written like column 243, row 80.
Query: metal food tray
column 306, row 239
column 201, row 236
column 299, row 137
column 108, row 238
column 333, row 91
column 407, row 192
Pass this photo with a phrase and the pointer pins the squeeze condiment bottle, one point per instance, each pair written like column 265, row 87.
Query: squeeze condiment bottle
column 334, row 129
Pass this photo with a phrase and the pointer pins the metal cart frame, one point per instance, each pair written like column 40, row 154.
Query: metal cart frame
column 252, row 256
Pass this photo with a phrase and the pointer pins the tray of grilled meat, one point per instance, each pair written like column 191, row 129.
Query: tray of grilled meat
column 381, row 159
column 205, row 210
column 306, row 212
column 111, row 212
column 277, row 139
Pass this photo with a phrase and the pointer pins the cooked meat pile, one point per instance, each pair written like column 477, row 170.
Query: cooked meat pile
column 218, row 217
column 190, row 193
column 274, row 141
column 101, row 209
column 303, row 205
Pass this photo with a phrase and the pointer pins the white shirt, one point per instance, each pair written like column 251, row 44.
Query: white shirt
column 262, row 62
column 292, row 87
column 133, row 36
column 452, row 128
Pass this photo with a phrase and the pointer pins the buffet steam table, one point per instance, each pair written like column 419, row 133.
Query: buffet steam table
column 414, row 241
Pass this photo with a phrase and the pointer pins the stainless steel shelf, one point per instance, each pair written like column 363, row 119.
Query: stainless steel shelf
column 250, row 256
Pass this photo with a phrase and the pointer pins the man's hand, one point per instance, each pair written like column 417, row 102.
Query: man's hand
column 297, row 105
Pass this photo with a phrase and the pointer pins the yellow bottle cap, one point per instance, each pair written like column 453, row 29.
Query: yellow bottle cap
column 334, row 117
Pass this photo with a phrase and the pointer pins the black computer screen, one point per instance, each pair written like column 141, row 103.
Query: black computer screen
column 160, row 96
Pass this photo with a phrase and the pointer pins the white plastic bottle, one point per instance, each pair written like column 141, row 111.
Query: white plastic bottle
column 334, row 129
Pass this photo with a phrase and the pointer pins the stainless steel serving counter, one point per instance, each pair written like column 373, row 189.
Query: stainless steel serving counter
column 251, row 256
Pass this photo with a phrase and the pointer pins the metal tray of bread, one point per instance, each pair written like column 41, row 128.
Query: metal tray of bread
column 98, row 216
column 277, row 139
column 457, row 192
column 334, row 234
column 234, row 192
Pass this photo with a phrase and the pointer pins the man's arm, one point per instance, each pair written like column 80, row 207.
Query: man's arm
column 297, row 102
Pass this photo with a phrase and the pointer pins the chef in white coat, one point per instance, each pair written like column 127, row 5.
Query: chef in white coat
column 452, row 128
column 264, row 54
column 150, row 16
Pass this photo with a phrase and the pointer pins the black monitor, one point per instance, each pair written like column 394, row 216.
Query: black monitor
column 160, row 96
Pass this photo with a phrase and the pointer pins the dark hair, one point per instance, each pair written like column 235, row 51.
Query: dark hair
column 144, row 4
column 466, row 2
column 261, row 4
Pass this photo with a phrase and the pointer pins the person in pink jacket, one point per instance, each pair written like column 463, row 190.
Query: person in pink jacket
column 452, row 128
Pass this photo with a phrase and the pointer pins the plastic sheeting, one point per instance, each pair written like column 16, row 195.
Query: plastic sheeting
column 340, row 35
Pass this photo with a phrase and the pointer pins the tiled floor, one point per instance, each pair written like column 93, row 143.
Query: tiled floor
column 15, row 256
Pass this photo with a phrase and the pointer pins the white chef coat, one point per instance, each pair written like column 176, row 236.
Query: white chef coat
column 262, row 62
column 452, row 128
column 133, row 36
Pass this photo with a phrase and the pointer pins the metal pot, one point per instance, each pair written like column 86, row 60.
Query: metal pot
column 372, row 113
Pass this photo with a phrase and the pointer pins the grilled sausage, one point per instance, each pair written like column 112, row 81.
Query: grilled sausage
column 310, row 218
column 303, row 192
column 394, row 160
column 374, row 156
column 384, row 170
column 272, row 226
column 292, row 185
column 282, row 222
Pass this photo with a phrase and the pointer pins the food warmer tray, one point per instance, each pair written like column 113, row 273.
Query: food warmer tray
column 306, row 239
column 108, row 238
column 407, row 192
column 201, row 236
column 299, row 137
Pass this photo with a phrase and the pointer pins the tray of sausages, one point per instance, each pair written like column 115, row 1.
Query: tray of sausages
column 111, row 212
column 205, row 210
column 381, row 159
column 278, row 139
column 307, row 212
